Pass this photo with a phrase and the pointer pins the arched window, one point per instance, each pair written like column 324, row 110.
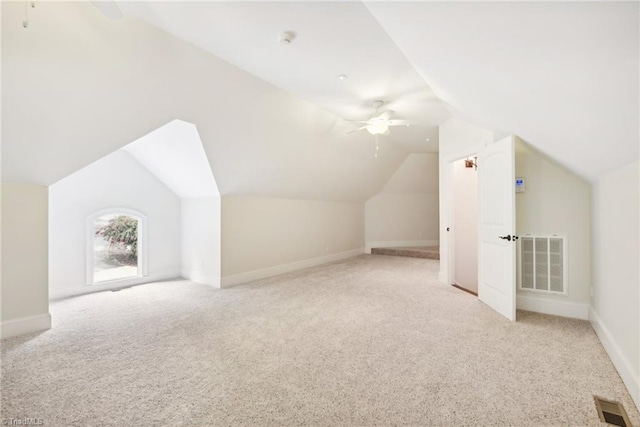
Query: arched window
column 115, row 246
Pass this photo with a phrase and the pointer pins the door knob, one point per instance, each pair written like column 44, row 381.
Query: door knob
column 507, row 237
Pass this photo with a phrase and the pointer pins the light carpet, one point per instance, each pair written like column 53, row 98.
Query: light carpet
column 374, row 340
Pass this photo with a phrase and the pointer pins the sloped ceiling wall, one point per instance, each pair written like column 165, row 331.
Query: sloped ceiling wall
column 77, row 86
column 561, row 75
column 406, row 209
column 174, row 154
column 417, row 174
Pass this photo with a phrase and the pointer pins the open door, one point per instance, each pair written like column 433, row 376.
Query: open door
column 496, row 231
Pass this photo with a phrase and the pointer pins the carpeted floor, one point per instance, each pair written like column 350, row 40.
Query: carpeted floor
column 374, row 340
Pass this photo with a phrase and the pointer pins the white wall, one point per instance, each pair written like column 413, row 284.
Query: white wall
column 465, row 226
column 120, row 80
column 616, row 301
column 405, row 212
column 201, row 240
column 458, row 139
column 25, row 305
column 555, row 201
column 117, row 180
column 266, row 236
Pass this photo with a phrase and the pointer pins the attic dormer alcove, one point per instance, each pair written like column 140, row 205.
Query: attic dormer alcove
column 165, row 178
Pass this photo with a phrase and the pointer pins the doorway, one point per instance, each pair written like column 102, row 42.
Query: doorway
column 496, row 250
column 465, row 225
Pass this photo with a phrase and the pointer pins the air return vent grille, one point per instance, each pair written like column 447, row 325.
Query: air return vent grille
column 611, row 412
column 542, row 265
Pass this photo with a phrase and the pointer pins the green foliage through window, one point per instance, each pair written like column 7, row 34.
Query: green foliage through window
column 121, row 232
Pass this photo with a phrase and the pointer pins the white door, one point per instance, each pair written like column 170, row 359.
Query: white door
column 496, row 232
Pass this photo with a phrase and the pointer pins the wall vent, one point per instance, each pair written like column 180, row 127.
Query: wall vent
column 542, row 264
column 611, row 412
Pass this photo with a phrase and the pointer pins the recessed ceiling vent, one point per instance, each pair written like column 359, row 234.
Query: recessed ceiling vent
column 287, row 37
column 611, row 412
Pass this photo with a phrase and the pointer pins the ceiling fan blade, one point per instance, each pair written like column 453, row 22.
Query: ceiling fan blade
column 386, row 115
column 356, row 130
column 400, row 123
column 109, row 8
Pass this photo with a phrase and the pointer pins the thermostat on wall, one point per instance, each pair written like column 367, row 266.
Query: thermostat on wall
column 519, row 185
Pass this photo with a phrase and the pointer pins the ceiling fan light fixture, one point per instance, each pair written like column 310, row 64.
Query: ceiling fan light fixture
column 378, row 127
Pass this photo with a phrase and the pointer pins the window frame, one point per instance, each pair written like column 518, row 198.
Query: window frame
column 142, row 245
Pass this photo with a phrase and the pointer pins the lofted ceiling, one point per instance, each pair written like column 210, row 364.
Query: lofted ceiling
column 561, row 75
column 332, row 39
column 77, row 85
column 174, row 154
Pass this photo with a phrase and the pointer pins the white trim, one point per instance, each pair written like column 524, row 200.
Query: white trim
column 197, row 277
column 548, row 306
column 25, row 325
column 237, row 279
column 620, row 361
column 398, row 244
column 442, row 277
column 73, row 291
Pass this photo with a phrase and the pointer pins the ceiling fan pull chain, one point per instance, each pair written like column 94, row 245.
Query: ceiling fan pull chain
column 377, row 147
column 25, row 20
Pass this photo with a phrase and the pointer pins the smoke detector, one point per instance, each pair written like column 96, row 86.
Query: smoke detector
column 287, row 37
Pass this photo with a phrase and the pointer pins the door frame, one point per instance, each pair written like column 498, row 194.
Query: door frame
column 447, row 274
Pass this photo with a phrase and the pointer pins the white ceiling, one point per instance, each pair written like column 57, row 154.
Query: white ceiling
column 174, row 154
column 403, row 181
column 333, row 38
column 561, row 75
column 77, row 86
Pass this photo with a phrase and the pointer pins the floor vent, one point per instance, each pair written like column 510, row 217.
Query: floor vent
column 611, row 412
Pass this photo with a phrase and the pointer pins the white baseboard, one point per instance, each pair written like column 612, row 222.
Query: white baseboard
column 556, row 308
column 620, row 361
column 442, row 277
column 398, row 244
column 25, row 325
column 202, row 278
column 237, row 279
column 162, row 275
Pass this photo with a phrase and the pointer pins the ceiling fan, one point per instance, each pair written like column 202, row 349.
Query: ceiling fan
column 380, row 122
